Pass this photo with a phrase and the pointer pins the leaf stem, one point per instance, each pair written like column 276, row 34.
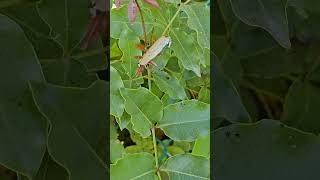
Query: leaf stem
column 149, row 79
column 142, row 22
column 174, row 17
column 155, row 150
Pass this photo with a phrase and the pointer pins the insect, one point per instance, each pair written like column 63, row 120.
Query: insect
column 152, row 52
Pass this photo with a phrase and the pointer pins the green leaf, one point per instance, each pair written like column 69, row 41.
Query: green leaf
column 202, row 147
column 275, row 62
column 301, row 107
column 23, row 129
column 49, row 170
column 262, row 150
column 309, row 5
column 115, row 52
column 77, row 118
column 166, row 100
column 186, row 120
column 124, row 120
column 36, row 30
column 117, row 102
column 269, row 15
column 127, row 45
column 120, row 22
column 139, row 166
column 169, row 85
column 226, row 98
column 68, row 21
column 64, row 73
column 204, row 95
column 199, row 20
column 185, row 48
column 144, row 107
column 116, row 150
column 127, row 81
column 187, row 167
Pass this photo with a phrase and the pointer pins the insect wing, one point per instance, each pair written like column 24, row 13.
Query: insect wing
column 154, row 50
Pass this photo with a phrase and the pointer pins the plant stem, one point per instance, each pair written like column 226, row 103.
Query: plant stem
column 149, row 78
column 154, row 132
column 155, row 150
column 142, row 22
column 173, row 18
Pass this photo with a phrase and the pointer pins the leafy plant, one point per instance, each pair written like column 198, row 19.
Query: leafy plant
column 266, row 86
column 166, row 109
column 53, row 107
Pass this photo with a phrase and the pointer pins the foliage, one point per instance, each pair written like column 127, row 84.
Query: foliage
column 266, row 89
column 53, row 110
column 166, row 109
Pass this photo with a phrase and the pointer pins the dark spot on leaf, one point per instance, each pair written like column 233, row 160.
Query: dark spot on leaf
column 190, row 151
column 237, row 135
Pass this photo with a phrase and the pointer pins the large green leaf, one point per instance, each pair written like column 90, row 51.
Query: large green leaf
column 140, row 166
column 267, row 14
column 187, row 167
column 263, row 150
column 186, row 120
column 22, row 127
column 198, row 19
column 144, row 107
column 77, row 118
